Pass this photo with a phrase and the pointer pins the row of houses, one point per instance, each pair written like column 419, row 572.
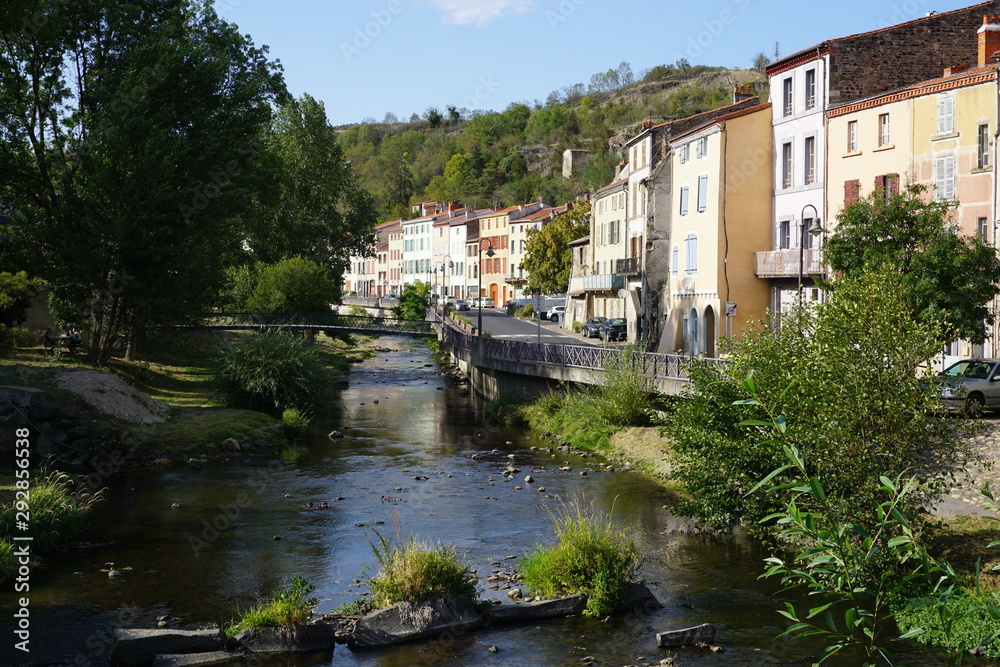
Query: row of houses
column 716, row 219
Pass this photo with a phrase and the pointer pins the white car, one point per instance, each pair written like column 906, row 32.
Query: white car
column 554, row 313
column 487, row 302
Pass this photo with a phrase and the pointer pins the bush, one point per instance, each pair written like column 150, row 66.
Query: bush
column 58, row 509
column 577, row 327
column 293, row 285
column 419, row 571
column 626, row 389
column 296, row 423
column 271, row 372
column 525, row 312
column 287, row 608
column 506, row 409
column 592, row 556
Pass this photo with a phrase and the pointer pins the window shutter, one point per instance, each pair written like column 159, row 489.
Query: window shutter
column 880, row 182
column 893, row 180
column 851, row 192
column 684, row 200
column 702, row 193
column 949, row 177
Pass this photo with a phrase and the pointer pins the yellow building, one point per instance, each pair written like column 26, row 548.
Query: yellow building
column 720, row 216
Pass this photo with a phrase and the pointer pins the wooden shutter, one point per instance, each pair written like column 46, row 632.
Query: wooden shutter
column 851, row 189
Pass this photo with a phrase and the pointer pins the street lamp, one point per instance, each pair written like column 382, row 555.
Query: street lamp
column 445, row 265
column 479, row 300
column 815, row 230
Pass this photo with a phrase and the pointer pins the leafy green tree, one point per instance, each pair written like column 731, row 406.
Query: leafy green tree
column 130, row 149
column 548, row 259
column 946, row 277
column 413, row 302
column 16, row 292
column 847, row 378
column 316, row 208
column 294, row 285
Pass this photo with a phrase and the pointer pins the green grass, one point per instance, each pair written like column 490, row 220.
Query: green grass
column 288, row 608
column 417, row 571
column 507, row 409
column 972, row 626
column 57, row 506
column 592, row 556
column 575, row 414
column 356, row 607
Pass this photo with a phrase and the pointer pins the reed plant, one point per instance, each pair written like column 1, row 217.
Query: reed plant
column 416, row 571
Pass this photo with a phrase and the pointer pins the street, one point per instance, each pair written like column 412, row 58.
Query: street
column 498, row 324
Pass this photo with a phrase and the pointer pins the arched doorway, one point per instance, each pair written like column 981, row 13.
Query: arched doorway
column 694, row 348
column 710, row 332
column 495, row 293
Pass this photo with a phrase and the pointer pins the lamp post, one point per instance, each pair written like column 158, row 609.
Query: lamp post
column 479, row 296
column 445, row 265
column 815, row 230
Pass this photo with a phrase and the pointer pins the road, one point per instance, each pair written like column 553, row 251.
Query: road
column 499, row 325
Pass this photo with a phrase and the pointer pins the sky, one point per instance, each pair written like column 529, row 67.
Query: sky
column 364, row 58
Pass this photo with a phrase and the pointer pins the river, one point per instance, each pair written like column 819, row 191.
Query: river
column 217, row 551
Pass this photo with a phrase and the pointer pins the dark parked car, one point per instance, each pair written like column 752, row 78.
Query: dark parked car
column 972, row 385
column 614, row 329
column 592, row 327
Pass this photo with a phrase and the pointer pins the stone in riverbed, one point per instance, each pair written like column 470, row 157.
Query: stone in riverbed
column 529, row 611
column 704, row 633
column 404, row 622
column 139, row 647
column 194, row 659
column 317, row 637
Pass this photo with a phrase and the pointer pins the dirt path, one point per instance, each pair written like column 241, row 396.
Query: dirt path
column 113, row 396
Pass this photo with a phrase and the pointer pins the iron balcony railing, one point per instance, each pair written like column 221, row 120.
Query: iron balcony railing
column 629, row 266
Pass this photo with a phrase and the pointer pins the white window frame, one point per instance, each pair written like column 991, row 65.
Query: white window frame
column 691, row 253
column 701, row 147
column 983, row 146
column 702, row 193
column 786, row 165
column 809, row 157
column 675, row 259
column 946, row 115
column 685, row 199
column 810, row 89
column 944, row 178
column 852, row 136
column 787, row 97
column 685, row 153
column 884, row 134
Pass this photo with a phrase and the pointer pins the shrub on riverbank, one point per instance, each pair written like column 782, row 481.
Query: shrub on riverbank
column 592, row 556
column 418, row 571
column 271, row 372
column 288, row 608
column 58, row 508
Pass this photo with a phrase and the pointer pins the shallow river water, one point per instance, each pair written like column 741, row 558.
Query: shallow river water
column 199, row 562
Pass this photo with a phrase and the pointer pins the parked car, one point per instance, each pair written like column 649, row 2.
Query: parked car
column 592, row 327
column 487, row 302
column 391, row 296
column 554, row 313
column 971, row 385
column 614, row 329
column 350, row 293
column 461, row 304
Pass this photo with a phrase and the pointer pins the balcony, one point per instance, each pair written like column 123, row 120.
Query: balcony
column 515, row 279
column 630, row 266
column 785, row 263
column 607, row 282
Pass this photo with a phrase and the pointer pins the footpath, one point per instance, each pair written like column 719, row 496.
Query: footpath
column 965, row 499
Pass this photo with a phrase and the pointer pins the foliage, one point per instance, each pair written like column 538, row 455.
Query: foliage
column 417, row 571
column 271, row 372
column 592, row 556
column 946, row 277
column 296, row 422
column 849, row 371
column 413, row 302
column 58, row 506
column 287, row 608
column 626, row 388
column 547, row 259
column 356, row 607
column 16, row 291
column 294, row 285
column 315, row 207
column 239, row 284
column 506, row 409
column 129, row 170
column 851, row 569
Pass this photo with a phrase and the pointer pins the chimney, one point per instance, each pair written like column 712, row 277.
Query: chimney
column 741, row 93
column 989, row 40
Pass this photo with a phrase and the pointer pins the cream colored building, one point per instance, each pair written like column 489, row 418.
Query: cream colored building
column 596, row 287
column 720, row 218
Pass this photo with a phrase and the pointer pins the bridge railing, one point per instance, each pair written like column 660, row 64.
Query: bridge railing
column 318, row 321
column 666, row 366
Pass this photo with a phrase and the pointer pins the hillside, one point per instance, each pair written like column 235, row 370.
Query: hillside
column 515, row 156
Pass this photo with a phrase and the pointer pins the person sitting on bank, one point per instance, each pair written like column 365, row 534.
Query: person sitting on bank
column 49, row 341
column 73, row 340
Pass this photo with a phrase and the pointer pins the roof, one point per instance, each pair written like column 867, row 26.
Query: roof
column 610, row 186
column 821, row 49
column 583, row 240
column 967, row 77
column 721, row 119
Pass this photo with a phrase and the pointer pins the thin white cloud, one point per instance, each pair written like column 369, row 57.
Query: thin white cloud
column 478, row 12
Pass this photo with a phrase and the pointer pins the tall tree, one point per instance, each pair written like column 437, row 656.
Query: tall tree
column 130, row 141
column 947, row 277
column 317, row 209
column 548, row 259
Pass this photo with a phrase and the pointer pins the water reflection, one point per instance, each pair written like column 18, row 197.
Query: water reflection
column 216, row 551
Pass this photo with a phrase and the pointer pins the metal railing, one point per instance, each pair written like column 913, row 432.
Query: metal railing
column 665, row 366
column 360, row 323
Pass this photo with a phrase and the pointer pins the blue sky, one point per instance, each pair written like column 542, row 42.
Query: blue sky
column 364, row 58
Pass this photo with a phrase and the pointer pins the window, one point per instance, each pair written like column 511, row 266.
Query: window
column 784, row 235
column 982, row 230
column 852, row 191
column 702, row 193
column 675, row 258
column 810, row 160
column 852, row 137
column 786, row 165
column 691, row 253
column 702, row 147
column 685, row 197
column 644, row 154
column 685, row 153
column 806, row 239
column 946, row 115
column 787, row 96
column 888, row 185
column 983, row 146
column 944, row 178
column 883, row 130
column 810, row 89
